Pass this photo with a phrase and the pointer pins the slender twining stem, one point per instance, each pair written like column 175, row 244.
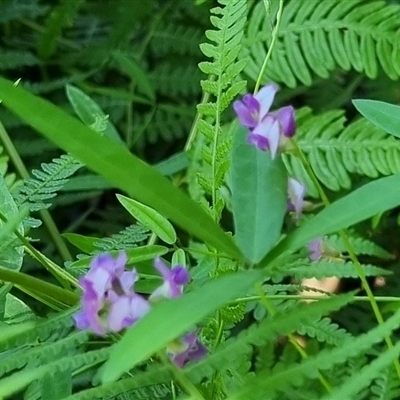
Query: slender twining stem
column 44, row 214
column 271, row 46
column 194, row 128
column 343, row 235
column 271, row 309
column 362, row 299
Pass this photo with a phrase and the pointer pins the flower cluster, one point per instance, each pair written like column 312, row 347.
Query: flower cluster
column 110, row 304
column 268, row 130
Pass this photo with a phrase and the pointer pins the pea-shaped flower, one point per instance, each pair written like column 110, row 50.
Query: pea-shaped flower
column 268, row 130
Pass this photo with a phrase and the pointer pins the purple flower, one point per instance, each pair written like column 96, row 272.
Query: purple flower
column 188, row 348
column 251, row 110
column 296, row 191
column 109, row 302
column 269, row 130
column 316, row 249
column 319, row 248
column 174, row 279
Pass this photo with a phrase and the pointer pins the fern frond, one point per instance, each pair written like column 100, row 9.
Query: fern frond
column 129, row 237
column 221, row 87
column 325, row 268
column 14, row 59
column 385, row 386
column 146, row 385
column 168, row 123
column 177, row 80
column 41, row 352
column 73, row 363
column 47, row 182
column 316, row 40
column 258, row 335
column 335, row 152
column 176, row 38
column 295, row 375
column 325, row 330
column 40, row 331
column 360, row 245
column 14, row 9
column 361, row 379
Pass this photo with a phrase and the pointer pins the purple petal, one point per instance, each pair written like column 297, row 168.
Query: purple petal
column 98, row 280
column 127, row 280
column 297, row 192
column 265, row 98
column 285, row 116
column 259, row 141
column 248, row 117
column 194, row 350
column 81, row 321
column 119, row 263
column 180, row 275
column 315, row 248
column 126, row 311
column 273, row 139
column 269, row 129
column 173, row 281
column 162, row 268
column 119, row 316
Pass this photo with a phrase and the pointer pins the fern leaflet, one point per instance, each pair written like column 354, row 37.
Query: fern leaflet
column 48, row 181
column 319, row 38
column 229, row 22
column 335, row 152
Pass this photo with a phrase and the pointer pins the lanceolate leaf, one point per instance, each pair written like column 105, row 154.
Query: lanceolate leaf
column 259, row 197
column 150, row 218
column 89, row 111
column 116, row 164
column 365, row 202
column 383, row 115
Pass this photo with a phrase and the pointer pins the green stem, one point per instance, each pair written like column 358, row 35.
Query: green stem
column 362, row 299
column 271, row 47
column 193, row 130
column 357, row 266
column 181, row 378
column 59, row 273
column 44, row 214
column 132, row 87
column 39, row 286
column 271, row 309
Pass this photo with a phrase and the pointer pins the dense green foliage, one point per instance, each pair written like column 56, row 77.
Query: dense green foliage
column 139, row 151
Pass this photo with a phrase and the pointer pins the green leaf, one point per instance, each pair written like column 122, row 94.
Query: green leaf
column 298, row 374
column 154, row 331
column 131, row 68
column 61, row 16
column 365, row 202
column 363, row 378
column 259, row 196
column 84, row 243
column 89, row 112
column 38, row 285
column 179, row 258
column 11, row 252
column 149, row 218
column 134, row 254
column 117, row 165
column 383, row 115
